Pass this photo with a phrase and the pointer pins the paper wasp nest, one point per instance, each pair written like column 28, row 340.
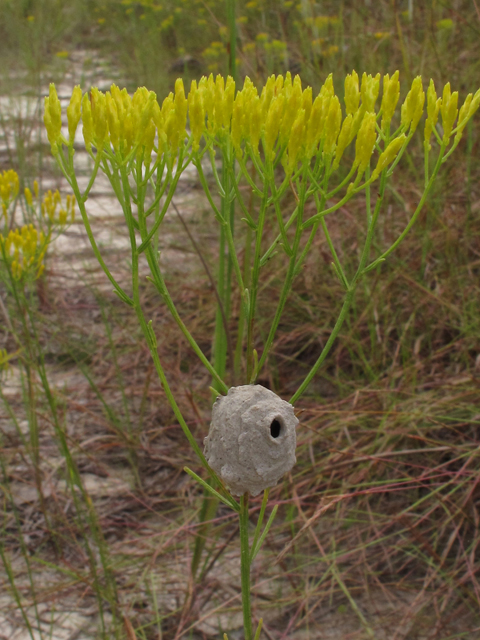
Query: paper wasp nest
column 251, row 442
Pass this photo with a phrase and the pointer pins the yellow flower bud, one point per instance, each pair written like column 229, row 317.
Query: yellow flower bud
column 449, row 111
column 196, row 115
column 389, row 155
column 463, row 117
column 227, row 103
column 99, row 115
column 49, row 205
column 267, row 95
column 433, row 108
column 146, row 113
column 148, row 143
column 255, row 123
column 287, row 85
column 369, row 91
column 207, row 89
column 279, row 85
column 129, row 130
column 118, row 97
column 272, row 125
column 296, row 142
column 87, row 122
column 236, row 131
column 327, row 87
column 140, row 116
column 316, row 122
column 469, row 107
column 158, row 120
column 168, row 116
column 314, row 126
column 332, row 125
column 412, row 108
column 181, row 104
column 73, row 113
column 475, row 104
column 391, row 94
column 28, row 197
column 250, row 90
column 294, row 101
column 344, row 140
column 55, row 113
column 365, row 142
column 113, row 121
column 47, row 120
column 352, row 93
column 217, row 111
column 167, row 106
column 307, row 102
column 251, row 93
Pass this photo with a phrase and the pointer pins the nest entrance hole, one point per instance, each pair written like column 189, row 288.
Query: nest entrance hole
column 275, row 428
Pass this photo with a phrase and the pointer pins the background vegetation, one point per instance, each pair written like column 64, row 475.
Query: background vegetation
column 377, row 532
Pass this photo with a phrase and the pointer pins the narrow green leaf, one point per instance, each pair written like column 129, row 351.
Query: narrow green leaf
column 259, row 629
column 264, row 534
column 260, row 518
column 232, row 504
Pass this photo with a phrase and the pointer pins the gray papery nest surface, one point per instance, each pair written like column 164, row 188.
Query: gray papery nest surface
column 251, row 442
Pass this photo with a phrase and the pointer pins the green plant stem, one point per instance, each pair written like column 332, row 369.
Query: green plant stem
column 147, row 330
column 246, row 281
column 291, row 271
column 362, row 270
column 261, row 515
column 349, row 294
column 413, row 218
column 254, row 281
column 220, row 337
column 245, row 567
column 336, row 330
column 72, row 179
column 90, row 523
column 195, row 245
column 159, row 281
column 226, row 215
column 336, row 262
column 173, row 185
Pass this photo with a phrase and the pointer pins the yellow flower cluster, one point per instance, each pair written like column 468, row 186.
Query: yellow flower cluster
column 52, row 201
column 447, row 106
column 283, row 121
column 9, row 185
column 117, row 120
column 24, row 250
column 28, row 193
column 287, row 120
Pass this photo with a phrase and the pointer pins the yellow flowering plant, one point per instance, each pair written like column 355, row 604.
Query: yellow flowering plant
column 23, row 248
column 29, row 224
column 272, row 144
